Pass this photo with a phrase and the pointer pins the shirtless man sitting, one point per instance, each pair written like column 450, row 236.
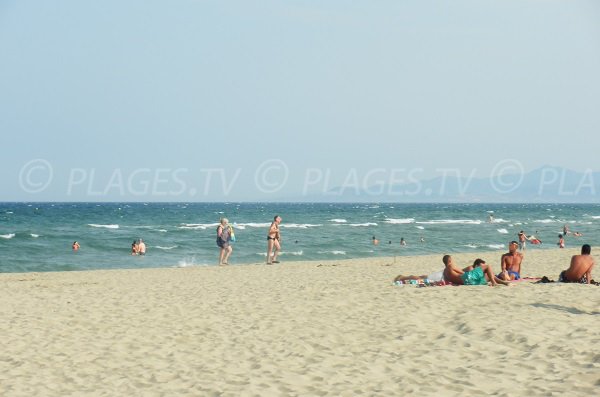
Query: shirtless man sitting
column 511, row 263
column 478, row 274
column 580, row 270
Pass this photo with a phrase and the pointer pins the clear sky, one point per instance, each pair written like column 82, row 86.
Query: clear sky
column 117, row 96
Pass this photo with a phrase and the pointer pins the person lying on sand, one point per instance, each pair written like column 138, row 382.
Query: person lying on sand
column 479, row 274
column 433, row 277
column 580, row 270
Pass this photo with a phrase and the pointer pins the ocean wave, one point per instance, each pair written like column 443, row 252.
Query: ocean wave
column 546, row 221
column 104, row 226
column 299, row 225
column 338, row 220
column 333, row 252
column 295, row 253
column 420, row 227
column 502, row 231
column 243, row 226
column 471, row 246
column 166, row 248
column 34, row 235
column 7, row 236
column 196, row 226
column 362, row 224
column 160, row 230
column 451, row 222
column 496, row 246
column 400, row 221
column 595, row 217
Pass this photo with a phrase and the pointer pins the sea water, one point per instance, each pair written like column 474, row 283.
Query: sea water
column 38, row 236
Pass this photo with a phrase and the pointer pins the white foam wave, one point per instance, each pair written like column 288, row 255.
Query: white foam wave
column 299, row 225
column 243, row 226
column 333, row 252
column 9, row 212
column 471, row 246
column 338, row 220
column 7, row 236
column 196, row 226
column 595, row 217
column 451, row 222
column 400, row 221
column 160, row 230
column 496, row 246
column 502, row 231
column 104, row 226
column 546, row 221
column 34, row 235
column 362, row 224
column 420, row 227
column 295, row 253
column 166, row 248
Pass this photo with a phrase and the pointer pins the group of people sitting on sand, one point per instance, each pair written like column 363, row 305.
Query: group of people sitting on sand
column 480, row 273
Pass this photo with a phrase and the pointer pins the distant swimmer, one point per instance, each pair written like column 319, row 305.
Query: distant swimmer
column 134, row 247
column 141, row 248
column 577, row 234
column 491, row 218
column 75, row 246
column 390, row 242
column 565, row 230
column 273, row 241
column 375, row 241
column 402, row 241
column 422, row 239
column 580, row 269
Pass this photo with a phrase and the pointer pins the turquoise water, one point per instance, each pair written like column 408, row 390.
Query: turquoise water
column 38, row 236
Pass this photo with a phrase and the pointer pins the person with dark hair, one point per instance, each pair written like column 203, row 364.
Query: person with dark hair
column 510, row 263
column 134, row 247
column 580, row 270
column 561, row 241
column 273, row 241
column 479, row 274
column 75, row 246
column 375, row 241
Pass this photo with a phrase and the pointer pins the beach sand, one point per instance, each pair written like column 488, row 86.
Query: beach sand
column 337, row 328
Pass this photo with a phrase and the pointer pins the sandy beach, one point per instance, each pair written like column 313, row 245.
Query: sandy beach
column 337, row 328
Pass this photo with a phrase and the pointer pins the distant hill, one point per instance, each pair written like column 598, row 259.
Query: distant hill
column 544, row 184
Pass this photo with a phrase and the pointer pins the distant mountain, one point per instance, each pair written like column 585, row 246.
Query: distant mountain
column 544, row 184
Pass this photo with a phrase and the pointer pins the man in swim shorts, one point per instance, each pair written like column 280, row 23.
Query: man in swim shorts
column 580, row 270
column 479, row 274
column 511, row 263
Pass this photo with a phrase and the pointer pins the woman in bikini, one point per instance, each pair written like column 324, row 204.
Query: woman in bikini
column 273, row 241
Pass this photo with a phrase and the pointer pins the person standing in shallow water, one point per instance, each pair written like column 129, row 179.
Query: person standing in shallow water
column 224, row 241
column 273, row 241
